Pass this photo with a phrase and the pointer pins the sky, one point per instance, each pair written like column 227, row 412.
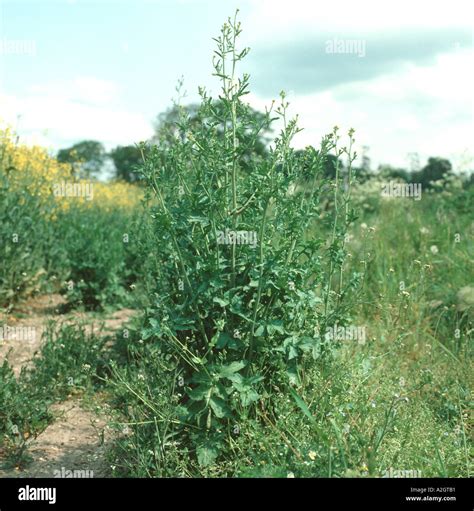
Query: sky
column 400, row 73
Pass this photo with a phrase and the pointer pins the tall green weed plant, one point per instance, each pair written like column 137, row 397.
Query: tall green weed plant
column 243, row 295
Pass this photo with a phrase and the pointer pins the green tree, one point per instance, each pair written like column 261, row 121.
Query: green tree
column 169, row 128
column 435, row 169
column 126, row 159
column 363, row 169
column 308, row 158
column 389, row 172
column 86, row 157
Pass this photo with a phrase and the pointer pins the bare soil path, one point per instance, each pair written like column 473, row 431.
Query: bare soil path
column 77, row 439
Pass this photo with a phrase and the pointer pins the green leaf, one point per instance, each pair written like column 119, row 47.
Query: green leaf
column 293, row 375
column 219, row 407
column 275, row 326
column 226, row 371
column 200, row 392
column 154, row 323
column 307, row 344
column 147, row 333
column 302, row 405
column 236, row 378
column 183, row 324
column 207, row 454
column 248, row 397
column 222, row 303
column 201, row 377
column 292, row 353
column 223, row 340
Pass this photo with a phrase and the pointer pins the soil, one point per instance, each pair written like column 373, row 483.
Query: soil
column 77, row 439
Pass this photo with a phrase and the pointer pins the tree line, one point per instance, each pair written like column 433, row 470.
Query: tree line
column 88, row 157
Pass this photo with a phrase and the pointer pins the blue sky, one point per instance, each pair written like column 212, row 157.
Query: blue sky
column 78, row 69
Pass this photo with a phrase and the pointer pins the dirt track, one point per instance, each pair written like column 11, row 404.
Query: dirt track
column 77, row 439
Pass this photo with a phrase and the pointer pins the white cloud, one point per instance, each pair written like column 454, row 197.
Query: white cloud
column 81, row 89
column 427, row 109
column 62, row 113
column 275, row 19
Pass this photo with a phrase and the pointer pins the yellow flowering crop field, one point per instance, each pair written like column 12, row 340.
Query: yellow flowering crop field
column 33, row 170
